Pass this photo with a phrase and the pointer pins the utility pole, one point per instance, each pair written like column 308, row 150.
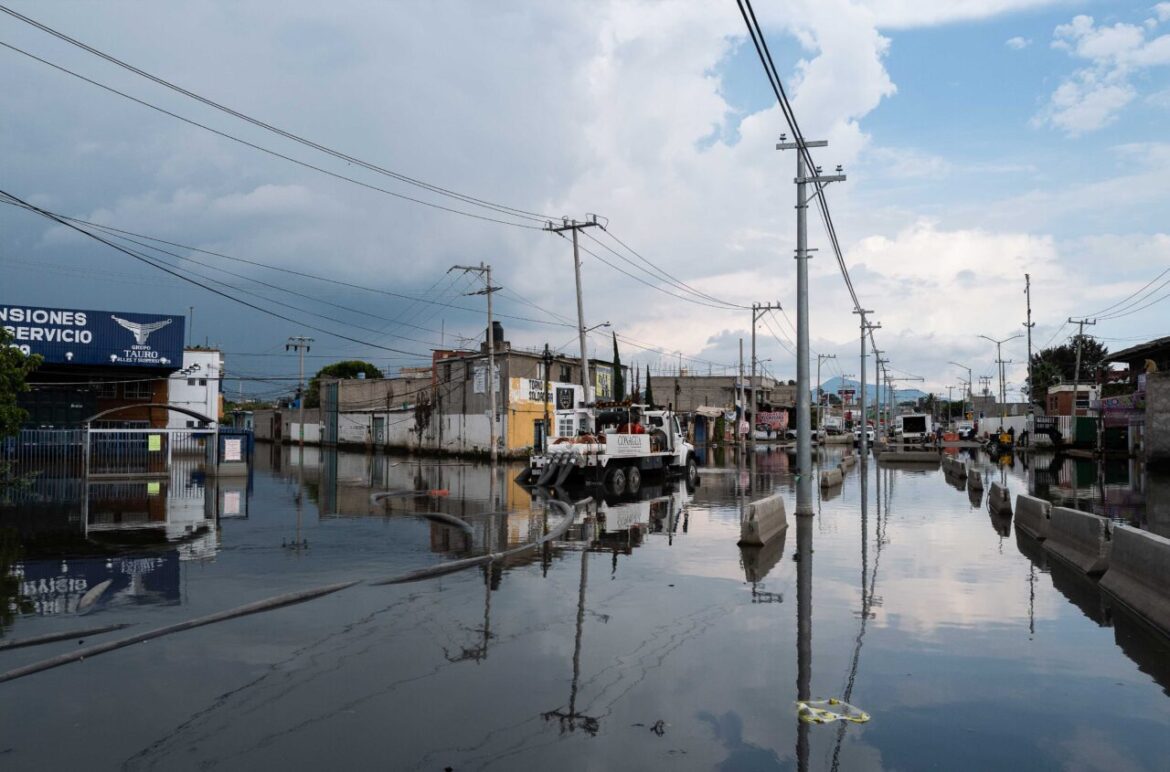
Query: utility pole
column 757, row 310
column 190, row 325
column 485, row 272
column 574, row 226
column 1077, row 373
column 821, row 392
column 803, row 398
column 547, row 359
column 300, row 344
column 1030, row 324
column 880, row 374
column 742, row 407
column 1001, row 362
column 863, row 441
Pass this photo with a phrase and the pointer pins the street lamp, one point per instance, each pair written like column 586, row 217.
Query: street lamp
column 999, row 361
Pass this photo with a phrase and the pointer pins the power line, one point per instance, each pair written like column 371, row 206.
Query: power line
column 261, row 148
column 1103, row 311
column 291, row 271
column 500, row 208
column 161, row 267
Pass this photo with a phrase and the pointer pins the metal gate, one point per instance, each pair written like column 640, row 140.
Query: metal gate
column 145, row 452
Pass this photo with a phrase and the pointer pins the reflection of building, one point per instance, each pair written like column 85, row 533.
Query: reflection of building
column 96, row 361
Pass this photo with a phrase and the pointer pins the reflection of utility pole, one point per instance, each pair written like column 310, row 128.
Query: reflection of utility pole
column 485, row 271
column 574, row 226
column 804, row 575
column 479, row 652
column 569, row 719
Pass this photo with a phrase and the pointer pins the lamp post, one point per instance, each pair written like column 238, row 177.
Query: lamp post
column 1000, row 362
column 970, row 395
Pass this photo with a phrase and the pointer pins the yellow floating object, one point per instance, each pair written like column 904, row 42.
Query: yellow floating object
column 825, row 711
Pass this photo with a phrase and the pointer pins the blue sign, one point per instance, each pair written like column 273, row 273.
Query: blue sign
column 70, row 336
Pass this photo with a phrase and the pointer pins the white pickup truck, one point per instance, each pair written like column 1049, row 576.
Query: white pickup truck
column 627, row 442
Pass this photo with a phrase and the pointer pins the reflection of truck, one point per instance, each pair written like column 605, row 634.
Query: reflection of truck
column 912, row 427
column 628, row 441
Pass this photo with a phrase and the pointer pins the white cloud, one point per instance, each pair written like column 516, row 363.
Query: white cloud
column 1093, row 96
column 892, row 14
column 1018, row 43
column 1162, row 11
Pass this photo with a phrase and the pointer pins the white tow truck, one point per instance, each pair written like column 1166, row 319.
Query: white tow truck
column 627, row 443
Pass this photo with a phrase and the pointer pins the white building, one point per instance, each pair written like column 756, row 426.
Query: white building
column 196, row 386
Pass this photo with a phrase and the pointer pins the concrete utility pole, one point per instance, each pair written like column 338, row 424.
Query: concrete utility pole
column 1077, row 373
column 547, row 359
column 863, row 441
column 803, row 399
column 300, row 344
column 485, row 272
column 742, row 413
column 1030, row 324
column 757, row 309
column 574, row 226
column 881, row 375
column 1000, row 361
column 821, row 392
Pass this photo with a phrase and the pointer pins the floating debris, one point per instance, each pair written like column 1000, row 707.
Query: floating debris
column 824, row 711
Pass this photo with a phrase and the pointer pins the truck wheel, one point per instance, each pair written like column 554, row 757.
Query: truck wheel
column 615, row 481
column 692, row 471
column 633, row 480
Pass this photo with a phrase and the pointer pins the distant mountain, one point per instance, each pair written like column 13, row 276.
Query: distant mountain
column 835, row 384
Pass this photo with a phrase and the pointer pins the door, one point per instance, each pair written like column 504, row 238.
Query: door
column 379, row 430
column 538, row 434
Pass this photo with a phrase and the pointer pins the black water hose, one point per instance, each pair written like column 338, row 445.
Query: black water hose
column 256, row 607
column 18, row 643
column 569, row 515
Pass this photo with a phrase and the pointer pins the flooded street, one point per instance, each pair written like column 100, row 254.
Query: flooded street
column 643, row 637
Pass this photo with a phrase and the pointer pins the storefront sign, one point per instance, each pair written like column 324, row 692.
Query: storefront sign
column 73, row 336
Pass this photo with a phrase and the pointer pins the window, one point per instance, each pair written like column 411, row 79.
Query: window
column 190, row 424
column 202, row 381
column 137, row 390
column 566, row 373
column 107, row 391
column 565, row 427
column 190, row 381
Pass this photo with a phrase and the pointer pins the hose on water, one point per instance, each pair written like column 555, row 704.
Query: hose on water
column 267, row 604
column 38, row 640
column 569, row 513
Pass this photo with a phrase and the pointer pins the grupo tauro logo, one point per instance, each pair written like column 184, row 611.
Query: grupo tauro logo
column 141, row 331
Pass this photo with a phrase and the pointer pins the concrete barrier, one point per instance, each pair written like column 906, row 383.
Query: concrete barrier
column 1139, row 574
column 831, row 478
column 762, row 521
column 848, row 461
column 975, row 480
column 1032, row 516
column 999, row 500
column 909, row 457
column 1080, row 538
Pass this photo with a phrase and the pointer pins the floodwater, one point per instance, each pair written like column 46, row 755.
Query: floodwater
column 642, row 639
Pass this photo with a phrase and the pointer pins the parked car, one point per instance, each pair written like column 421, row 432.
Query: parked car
column 869, row 435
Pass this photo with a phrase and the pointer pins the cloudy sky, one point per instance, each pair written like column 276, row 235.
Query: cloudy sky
column 983, row 139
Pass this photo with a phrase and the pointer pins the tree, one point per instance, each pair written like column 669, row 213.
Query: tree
column 346, row 370
column 1059, row 363
column 649, row 397
column 15, row 367
column 619, row 379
